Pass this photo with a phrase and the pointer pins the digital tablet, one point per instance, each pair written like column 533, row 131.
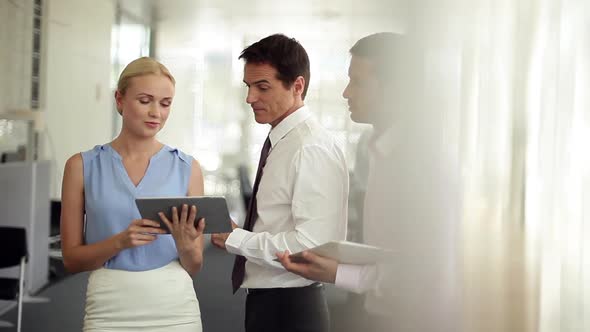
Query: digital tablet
column 346, row 252
column 212, row 208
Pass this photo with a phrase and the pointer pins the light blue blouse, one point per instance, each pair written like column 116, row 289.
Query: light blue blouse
column 110, row 194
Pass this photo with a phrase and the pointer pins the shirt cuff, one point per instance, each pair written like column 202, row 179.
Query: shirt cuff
column 234, row 241
column 348, row 277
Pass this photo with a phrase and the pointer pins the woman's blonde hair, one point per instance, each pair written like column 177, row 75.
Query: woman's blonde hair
column 140, row 67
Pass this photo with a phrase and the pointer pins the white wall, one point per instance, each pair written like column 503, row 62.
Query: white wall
column 78, row 102
column 16, row 42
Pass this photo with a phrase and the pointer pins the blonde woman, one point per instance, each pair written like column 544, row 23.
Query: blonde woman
column 141, row 278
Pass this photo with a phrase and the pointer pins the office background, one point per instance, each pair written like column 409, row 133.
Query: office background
column 509, row 80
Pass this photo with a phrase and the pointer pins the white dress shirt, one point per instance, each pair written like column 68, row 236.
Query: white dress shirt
column 412, row 207
column 363, row 278
column 302, row 201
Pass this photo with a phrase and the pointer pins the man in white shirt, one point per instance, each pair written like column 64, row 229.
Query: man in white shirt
column 299, row 196
column 411, row 203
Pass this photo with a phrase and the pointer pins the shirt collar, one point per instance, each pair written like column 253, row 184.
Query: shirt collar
column 287, row 124
column 386, row 141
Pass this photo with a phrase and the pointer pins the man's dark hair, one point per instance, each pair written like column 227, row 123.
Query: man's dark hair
column 384, row 50
column 285, row 54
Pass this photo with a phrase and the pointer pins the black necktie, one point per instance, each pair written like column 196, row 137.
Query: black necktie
column 237, row 276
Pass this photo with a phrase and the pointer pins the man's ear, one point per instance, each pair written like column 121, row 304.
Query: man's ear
column 299, row 86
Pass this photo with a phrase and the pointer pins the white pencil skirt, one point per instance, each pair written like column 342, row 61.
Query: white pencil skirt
column 163, row 299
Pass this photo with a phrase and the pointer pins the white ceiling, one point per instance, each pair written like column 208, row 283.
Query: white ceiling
column 327, row 9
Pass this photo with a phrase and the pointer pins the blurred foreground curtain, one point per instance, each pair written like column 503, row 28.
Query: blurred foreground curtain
column 557, row 186
column 510, row 83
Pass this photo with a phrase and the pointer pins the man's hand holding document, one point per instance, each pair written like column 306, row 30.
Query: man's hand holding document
column 321, row 263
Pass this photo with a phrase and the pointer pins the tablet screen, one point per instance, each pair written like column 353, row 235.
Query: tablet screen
column 212, row 208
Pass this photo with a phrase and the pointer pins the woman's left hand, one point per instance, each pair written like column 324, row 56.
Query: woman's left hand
column 183, row 228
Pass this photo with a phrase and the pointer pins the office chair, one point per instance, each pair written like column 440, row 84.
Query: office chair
column 13, row 252
column 54, row 217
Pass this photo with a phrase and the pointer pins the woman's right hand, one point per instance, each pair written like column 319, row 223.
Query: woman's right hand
column 140, row 232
